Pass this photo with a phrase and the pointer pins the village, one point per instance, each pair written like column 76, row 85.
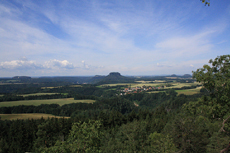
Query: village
column 137, row 89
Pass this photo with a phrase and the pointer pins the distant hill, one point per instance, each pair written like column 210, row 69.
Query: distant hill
column 21, row 78
column 173, row 75
column 186, row 76
column 115, row 77
column 97, row 78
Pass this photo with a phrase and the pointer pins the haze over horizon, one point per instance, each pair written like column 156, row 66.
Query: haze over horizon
column 82, row 38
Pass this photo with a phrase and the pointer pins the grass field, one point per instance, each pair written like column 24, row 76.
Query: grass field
column 47, row 101
column 38, row 94
column 50, row 87
column 117, row 84
column 189, row 91
column 179, row 85
column 138, row 84
column 156, row 81
column 27, row 116
column 186, row 91
column 10, row 83
column 155, row 91
column 75, row 85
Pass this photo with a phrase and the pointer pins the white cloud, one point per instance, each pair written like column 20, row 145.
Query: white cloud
column 25, row 64
column 123, row 35
column 58, row 64
column 20, row 64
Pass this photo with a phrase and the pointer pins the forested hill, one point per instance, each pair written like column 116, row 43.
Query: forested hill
column 115, row 77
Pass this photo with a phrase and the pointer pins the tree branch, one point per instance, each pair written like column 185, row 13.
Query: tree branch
column 226, row 149
column 222, row 128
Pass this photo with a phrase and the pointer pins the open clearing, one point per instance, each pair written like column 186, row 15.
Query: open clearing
column 27, row 116
column 156, row 81
column 76, row 85
column 50, row 87
column 117, row 84
column 179, row 85
column 185, row 92
column 189, row 91
column 38, row 94
column 133, row 85
column 60, row 102
column 155, row 91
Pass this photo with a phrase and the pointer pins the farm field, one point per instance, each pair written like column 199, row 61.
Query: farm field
column 179, row 85
column 117, row 84
column 50, row 87
column 10, row 83
column 27, row 116
column 185, row 92
column 189, row 91
column 75, row 85
column 138, row 84
column 60, row 102
column 155, row 91
column 156, row 83
column 38, row 94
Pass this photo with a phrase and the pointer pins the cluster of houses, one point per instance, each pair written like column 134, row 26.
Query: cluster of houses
column 139, row 89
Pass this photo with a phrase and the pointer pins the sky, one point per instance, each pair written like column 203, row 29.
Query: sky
column 96, row 37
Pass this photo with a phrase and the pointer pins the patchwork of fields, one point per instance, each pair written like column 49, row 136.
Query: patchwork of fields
column 157, row 83
column 63, row 101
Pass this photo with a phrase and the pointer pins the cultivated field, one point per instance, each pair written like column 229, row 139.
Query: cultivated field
column 38, row 94
column 138, row 84
column 179, row 85
column 155, row 83
column 50, row 87
column 185, row 92
column 155, row 91
column 117, row 84
column 27, row 116
column 189, row 91
column 75, row 85
column 60, row 102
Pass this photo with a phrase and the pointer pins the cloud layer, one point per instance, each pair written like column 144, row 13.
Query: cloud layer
column 97, row 37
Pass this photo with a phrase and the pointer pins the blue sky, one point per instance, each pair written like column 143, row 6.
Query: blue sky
column 133, row 37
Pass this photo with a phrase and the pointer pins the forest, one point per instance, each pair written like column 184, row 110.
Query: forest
column 160, row 121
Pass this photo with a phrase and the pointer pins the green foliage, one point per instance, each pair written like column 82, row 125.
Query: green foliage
column 190, row 133
column 130, row 137
column 85, row 137
column 218, row 141
column 215, row 78
column 60, row 146
column 160, row 143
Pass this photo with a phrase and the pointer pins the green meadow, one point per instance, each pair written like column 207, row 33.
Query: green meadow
column 189, row 91
column 38, row 94
column 27, row 116
column 60, row 102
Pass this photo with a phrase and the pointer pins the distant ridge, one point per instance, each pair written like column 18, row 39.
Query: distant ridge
column 21, row 78
column 187, row 76
column 115, row 77
column 173, row 75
